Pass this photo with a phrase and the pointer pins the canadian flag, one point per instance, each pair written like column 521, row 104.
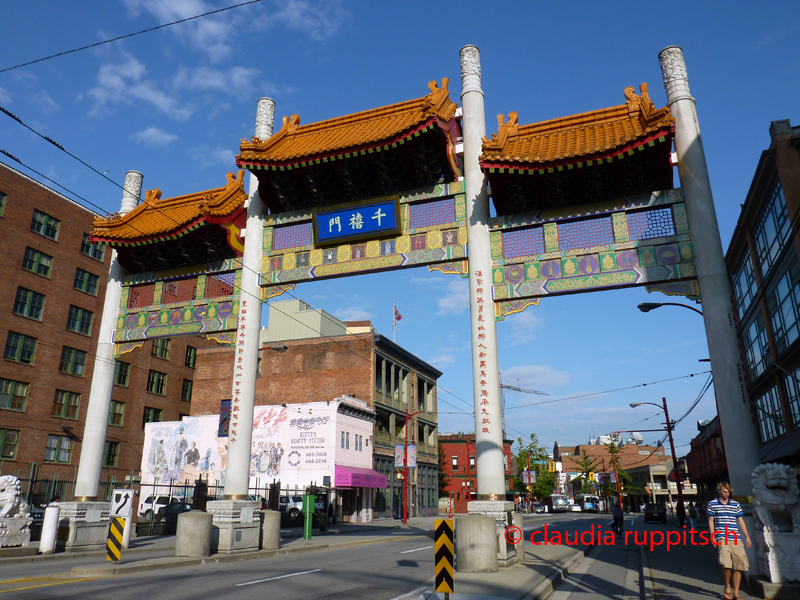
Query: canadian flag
column 397, row 315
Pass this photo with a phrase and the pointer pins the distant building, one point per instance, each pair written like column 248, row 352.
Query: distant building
column 648, row 466
column 458, row 463
column 51, row 306
column 706, row 460
column 326, row 358
column 764, row 268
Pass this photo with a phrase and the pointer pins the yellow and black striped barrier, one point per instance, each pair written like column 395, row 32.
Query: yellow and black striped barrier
column 114, row 546
column 444, row 556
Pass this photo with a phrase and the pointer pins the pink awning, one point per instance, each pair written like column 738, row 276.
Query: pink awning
column 358, row 477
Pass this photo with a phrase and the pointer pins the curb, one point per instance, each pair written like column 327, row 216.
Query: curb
column 547, row 587
column 178, row 562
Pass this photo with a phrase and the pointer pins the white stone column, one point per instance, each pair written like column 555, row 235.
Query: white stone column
column 94, row 433
column 485, row 373
column 243, row 393
column 736, row 421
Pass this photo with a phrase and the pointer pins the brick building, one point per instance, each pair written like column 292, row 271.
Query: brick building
column 50, row 311
column 458, row 456
column 312, row 367
column 763, row 261
column 706, row 460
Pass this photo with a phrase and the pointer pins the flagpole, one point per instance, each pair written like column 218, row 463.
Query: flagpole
column 394, row 320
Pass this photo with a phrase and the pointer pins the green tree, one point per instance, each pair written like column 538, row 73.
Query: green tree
column 543, row 488
column 444, row 478
column 586, row 466
column 623, row 478
column 528, row 452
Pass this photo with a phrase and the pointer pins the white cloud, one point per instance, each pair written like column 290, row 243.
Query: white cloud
column 353, row 313
column 5, row 96
column 318, row 20
column 456, row 299
column 538, row 377
column 218, row 156
column 125, row 83
column 45, row 102
column 154, row 136
column 520, row 328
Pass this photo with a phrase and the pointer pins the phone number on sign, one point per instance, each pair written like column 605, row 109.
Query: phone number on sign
column 316, row 460
column 316, row 454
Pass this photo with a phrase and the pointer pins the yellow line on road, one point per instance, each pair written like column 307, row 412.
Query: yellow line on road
column 50, row 581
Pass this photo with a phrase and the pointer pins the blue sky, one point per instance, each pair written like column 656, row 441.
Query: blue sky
column 175, row 103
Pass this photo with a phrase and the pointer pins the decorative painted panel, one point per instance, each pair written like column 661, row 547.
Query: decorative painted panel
column 433, row 230
column 646, row 242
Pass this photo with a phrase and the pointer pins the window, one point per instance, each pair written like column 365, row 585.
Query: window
column 111, row 454
column 186, row 392
column 191, row 356
column 122, row 371
column 455, row 462
column 116, row 413
column 161, row 348
column 80, row 320
column 20, row 348
column 157, row 383
column 770, row 417
column 9, row 439
column 96, row 251
column 744, row 284
column 29, row 304
column 772, row 230
column 343, row 439
column 13, row 394
column 151, row 415
column 472, row 462
column 45, row 225
column 86, row 282
column 793, row 388
column 347, row 441
column 66, row 404
column 754, row 339
column 58, row 449
column 37, row 262
column 786, row 319
column 2, row 203
column 73, row 361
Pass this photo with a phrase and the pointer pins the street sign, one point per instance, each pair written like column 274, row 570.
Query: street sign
column 121, row 503
column 540, row 462
column 114, row 546
column 443, row 557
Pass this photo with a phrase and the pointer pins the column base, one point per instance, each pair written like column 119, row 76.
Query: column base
column 503, row 513
column 83, row 526
column 235, row 526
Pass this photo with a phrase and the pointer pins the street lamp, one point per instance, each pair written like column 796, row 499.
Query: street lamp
column 670, row 426
column 648, row 306
column 405, row 467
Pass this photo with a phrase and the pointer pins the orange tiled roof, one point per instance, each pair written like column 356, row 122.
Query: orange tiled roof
column 157, row 218
column 607, row 131
column 295, row 143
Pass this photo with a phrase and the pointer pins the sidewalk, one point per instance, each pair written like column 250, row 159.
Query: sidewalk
column 685, row 572
column 533, row 578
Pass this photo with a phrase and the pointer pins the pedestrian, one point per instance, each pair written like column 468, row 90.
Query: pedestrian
column 692, row 516
column 619, row 519
column 726, row 521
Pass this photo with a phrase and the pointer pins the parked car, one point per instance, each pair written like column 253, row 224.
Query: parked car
column 170, row 513
column 573, row 507
column 153, row 504
column 291, row 505
column 655, row 511
column 537, row 507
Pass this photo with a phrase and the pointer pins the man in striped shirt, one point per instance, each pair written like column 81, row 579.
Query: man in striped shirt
column 726, row 520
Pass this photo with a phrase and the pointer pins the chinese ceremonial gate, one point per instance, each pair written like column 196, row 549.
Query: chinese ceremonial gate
column 583, row 203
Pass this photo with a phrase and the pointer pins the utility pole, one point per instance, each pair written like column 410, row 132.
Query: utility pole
column 679, row 484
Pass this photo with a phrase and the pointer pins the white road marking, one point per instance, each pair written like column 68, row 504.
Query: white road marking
column 416, row 549
column 413, row 593
column 279, row 577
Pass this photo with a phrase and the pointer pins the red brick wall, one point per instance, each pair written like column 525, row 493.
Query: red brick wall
column 462, row 449
column 309, row 371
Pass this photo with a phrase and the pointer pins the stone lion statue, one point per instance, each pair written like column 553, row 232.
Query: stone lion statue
column 12, row 504
column 776, row 497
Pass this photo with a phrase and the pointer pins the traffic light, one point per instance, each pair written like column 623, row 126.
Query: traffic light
column 591, row 477
column 551, row 466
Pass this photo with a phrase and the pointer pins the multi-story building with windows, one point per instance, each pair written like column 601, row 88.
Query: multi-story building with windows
column 325, row 358
column 763, row 262
column 50, row 312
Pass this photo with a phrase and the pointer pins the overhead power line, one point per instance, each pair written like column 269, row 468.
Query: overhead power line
column 127, row 35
